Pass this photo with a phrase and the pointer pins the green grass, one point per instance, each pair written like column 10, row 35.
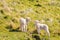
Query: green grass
column 41, row 10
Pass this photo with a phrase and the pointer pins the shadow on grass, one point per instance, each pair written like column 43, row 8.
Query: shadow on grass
column 12, row 30
column 35, row 35
column 35, row 32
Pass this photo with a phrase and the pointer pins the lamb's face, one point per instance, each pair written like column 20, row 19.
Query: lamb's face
column 36, row 21
column 28, row 19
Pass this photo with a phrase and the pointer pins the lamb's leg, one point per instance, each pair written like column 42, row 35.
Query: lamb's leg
column 48, row 33
column 38, row 30
column 24, row 28
column 47, row 30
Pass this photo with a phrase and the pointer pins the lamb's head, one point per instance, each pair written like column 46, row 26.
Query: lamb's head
column 28, row 19
column 36, row 21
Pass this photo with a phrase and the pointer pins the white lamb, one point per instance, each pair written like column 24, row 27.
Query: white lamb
column 40, row 26
column 23, row 24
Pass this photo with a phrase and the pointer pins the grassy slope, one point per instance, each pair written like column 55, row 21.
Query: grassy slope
column 45, row 12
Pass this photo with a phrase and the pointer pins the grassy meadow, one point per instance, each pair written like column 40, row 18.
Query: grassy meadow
column 47, row 11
